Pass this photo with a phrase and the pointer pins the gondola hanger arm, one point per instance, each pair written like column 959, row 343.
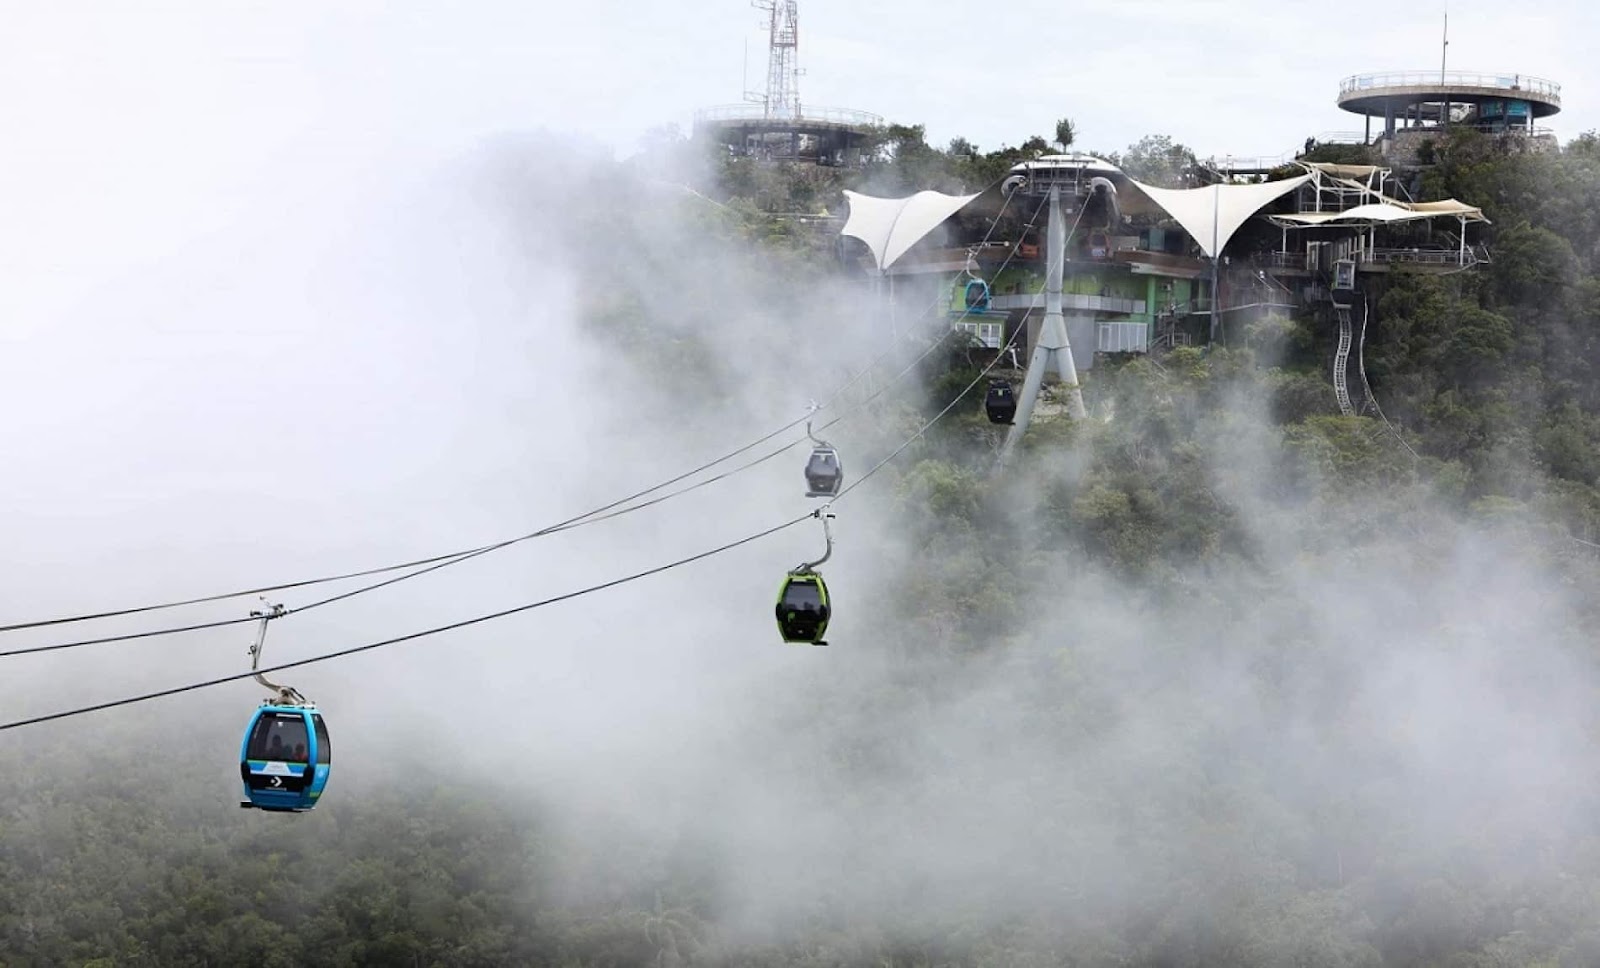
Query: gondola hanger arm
column 825, row 513
column 286, row 695
column 812, row 408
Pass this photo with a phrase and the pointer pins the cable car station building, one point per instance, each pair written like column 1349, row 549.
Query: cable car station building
column 1141, row 262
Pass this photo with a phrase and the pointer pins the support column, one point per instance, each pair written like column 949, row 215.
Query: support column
column 1053, row 346
column 1149, row 310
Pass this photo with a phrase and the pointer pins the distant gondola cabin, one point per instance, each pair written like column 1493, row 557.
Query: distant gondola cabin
column 1000, row 403
column 975, row 295
column 824, row 472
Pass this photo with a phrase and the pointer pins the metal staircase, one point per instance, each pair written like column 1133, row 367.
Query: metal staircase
column 1341, row 360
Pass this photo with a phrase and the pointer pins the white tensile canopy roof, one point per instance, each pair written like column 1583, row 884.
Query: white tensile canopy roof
column 1211, row 215
column 1383, row 212
column 1342, row 171
column 891, row 226
column 1218, row 211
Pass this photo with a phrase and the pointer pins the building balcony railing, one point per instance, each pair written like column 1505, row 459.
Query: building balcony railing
column 1536, row 86
column 1280, row 260
column 1122, row 337
column 1418, row 256
column 1252, row 163
column 1429, row 257
column 1072, row 301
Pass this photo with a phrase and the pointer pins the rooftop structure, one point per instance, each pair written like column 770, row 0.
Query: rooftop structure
column 774, row 125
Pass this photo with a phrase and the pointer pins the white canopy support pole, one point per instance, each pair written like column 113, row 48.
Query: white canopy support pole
column 1461, row 259
column 1053, row 346
column 1216, row 255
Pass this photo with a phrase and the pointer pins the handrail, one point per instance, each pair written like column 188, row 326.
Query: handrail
column 1420, row 256
column 1280, row 260
column 1232, row 163
column 1525, row 83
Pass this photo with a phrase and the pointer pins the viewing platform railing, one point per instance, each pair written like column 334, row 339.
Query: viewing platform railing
column 803, row 115
column 1537, row 86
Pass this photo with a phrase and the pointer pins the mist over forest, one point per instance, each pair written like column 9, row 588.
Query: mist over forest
column 1213, row 677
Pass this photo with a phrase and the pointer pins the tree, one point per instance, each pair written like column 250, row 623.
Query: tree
column 1066, row 133
column 1158, row 160
column 1036, row 146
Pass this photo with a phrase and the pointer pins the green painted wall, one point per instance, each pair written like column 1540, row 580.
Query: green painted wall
column 1087, row 282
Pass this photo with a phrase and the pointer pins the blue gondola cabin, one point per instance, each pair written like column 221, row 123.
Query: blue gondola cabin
column 976, row 295
column 285, row 758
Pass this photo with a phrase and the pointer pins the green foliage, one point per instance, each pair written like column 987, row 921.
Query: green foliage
column 1157, row 160
column 1334, row 154
column 1066, row 133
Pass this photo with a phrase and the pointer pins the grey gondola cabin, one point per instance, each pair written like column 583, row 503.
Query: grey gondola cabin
column 824, row 472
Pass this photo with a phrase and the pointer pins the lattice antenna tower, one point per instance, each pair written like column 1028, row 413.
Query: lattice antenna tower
column 782, row 97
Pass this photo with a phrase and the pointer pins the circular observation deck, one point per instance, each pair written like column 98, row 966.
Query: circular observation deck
column 829, row 136
column 810, row 119
column 1396, row 93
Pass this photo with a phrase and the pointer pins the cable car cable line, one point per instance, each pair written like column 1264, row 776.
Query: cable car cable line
column 425, row 633
column 434, row 560
column 436, row 565
column 126, row 637
column 820, row 512
column 430, row 565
